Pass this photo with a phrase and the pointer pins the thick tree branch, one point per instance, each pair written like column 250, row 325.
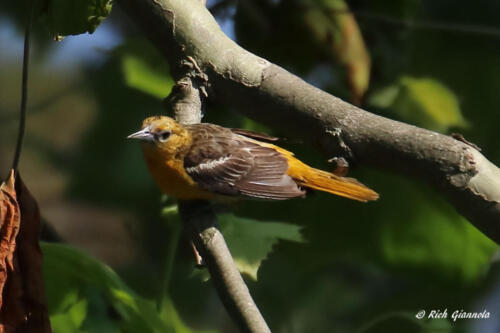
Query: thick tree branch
column 270, row 94
column 200, row 221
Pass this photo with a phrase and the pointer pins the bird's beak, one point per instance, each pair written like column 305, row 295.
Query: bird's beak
column 144, row 134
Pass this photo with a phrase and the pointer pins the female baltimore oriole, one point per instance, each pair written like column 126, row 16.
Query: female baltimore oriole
column 206, row 161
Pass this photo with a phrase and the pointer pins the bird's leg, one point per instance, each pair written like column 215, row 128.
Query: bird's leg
column 341, row 163
column 340, row 166
column 197, row 257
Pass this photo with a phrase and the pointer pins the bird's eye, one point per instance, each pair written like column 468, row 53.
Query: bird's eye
column 163, row 136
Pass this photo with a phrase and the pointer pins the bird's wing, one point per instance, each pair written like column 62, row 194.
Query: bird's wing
column 226, row 163
column 254, row 135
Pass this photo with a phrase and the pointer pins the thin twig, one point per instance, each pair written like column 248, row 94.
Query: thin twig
column 24, row 91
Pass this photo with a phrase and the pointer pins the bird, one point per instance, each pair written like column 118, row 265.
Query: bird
column 208, row 161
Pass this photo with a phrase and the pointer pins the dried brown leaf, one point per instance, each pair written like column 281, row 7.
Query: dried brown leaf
column 30, row 260
column 9, row 226
column 10, row 218
column 352, row 52
column 22, row 301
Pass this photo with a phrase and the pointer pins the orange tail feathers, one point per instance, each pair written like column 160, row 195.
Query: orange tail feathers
column 324, row 181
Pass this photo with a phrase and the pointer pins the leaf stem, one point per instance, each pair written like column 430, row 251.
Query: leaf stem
column 24, row 90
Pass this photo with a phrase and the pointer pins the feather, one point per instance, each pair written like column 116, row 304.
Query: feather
column 226, row 163
column 254, row 135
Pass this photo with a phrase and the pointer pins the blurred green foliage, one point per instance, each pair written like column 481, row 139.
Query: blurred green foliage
column 87, row 296
column 138, row 75
column 424, row 102
column 301, row 33
column 367, row 267
column 251, row 241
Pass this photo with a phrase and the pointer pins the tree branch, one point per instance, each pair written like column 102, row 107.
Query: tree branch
column 200, row 220
column 269, row 94
column 185, row 101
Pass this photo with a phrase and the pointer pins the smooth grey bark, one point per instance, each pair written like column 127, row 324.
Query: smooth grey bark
column 185, row 29
column 201, row 223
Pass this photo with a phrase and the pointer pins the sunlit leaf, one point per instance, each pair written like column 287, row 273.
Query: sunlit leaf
column 139, row 75
column 384, row 98
column 434, row 100
column 79, row 285
column 71, row 319
column 251, row 241
column 74, row 17
column 423, row 101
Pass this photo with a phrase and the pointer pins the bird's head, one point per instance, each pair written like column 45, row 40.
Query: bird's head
column 161, row 133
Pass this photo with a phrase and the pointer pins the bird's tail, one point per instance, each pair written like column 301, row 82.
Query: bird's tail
column 320, row 180
column 309, row 177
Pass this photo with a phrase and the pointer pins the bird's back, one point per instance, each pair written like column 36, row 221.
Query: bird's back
column 228, row 163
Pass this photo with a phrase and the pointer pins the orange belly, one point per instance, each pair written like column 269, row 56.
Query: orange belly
column 174, row 181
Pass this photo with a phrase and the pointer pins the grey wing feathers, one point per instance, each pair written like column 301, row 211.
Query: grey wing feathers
column 226, row 163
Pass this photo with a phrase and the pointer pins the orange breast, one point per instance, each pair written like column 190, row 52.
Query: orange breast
column 173, row 179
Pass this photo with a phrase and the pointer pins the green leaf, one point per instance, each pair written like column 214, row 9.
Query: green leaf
column 74, row 17
column 422, row 101
column 71, row 319
column 435, row 237
column 251, row 241
column 385, row 97
column 81, row 291
column 139, row 75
